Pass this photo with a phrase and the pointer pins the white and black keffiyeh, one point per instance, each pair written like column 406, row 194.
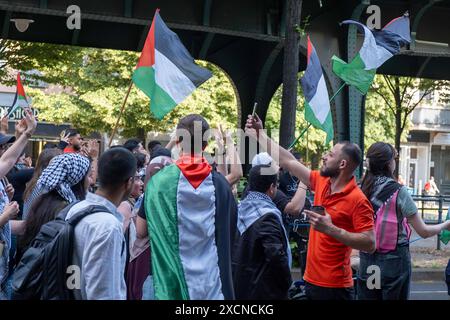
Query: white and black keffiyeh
column 63, row 172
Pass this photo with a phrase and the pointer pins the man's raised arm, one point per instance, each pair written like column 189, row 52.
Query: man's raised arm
column 285, row 159
column 24, row 130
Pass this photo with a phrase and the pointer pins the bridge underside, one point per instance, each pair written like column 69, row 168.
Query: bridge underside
column 245, row 39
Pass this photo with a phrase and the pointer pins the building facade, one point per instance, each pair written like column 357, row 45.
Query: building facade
column 427, row 150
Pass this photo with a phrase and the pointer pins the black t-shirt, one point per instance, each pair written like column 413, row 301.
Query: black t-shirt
column 288, row 183
column 141, row 212
column 19, row 179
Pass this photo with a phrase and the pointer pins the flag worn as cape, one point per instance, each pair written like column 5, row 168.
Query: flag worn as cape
column 191, row 218
column 378, row 46
column 166, row 72
column 20, row 99
column 317, row 104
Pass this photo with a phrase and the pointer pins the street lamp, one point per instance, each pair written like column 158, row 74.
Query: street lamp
column 22, row 24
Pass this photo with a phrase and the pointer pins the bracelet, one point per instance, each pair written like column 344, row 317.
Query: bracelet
column 28, row 135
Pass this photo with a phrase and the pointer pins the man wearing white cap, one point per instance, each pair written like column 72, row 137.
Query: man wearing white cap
column 288, row 206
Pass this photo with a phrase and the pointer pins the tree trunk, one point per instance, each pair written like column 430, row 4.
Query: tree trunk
column 140, row 134
column 398, row 134
column 398, row 124
column 290, row 71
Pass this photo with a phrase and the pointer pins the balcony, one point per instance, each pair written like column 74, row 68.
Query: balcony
column 431, row 119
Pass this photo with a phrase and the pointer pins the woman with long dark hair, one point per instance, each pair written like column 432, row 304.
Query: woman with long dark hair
column 394, row 211
column 42, row 162
column 64, row 181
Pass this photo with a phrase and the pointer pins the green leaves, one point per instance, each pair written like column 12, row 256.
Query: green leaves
column 390, row 102
column 87, row 87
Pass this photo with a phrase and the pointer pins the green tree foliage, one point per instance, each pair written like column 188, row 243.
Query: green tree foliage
column 26, row 56
column 390, row 103
column 92, row 83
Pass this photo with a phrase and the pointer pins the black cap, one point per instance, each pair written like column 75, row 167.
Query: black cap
column 6, row 139
column 160, row 152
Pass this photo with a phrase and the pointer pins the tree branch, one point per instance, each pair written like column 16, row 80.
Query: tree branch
column 406, row 87
column 389, row 83
column 385, row 100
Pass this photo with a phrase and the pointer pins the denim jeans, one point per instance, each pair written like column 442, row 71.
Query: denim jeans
column 314, row 292
column 395, row 275
column 148, row 292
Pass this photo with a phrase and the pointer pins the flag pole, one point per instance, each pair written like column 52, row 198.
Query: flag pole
column 337, row 92
column 120, row 114
column 309, row 125
column 301, row 135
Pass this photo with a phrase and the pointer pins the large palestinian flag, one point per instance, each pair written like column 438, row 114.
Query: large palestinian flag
column 166, row 72
column 20, row 100
column 191, row 215
column 378, row 46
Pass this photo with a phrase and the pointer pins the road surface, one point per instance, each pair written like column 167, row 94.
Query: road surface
column 429, row 290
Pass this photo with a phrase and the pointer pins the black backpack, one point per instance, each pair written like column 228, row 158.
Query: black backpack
column 42, row 272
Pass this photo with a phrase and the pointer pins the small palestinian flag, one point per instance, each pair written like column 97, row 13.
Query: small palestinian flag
column 378, row 46
column 166, row 72
column 20, row 99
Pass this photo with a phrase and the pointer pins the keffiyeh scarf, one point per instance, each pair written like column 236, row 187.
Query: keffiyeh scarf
column 63, row 172
column 254, row 206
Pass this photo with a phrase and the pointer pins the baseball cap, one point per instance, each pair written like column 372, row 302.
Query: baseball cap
column 262, row 158
column 6, row 139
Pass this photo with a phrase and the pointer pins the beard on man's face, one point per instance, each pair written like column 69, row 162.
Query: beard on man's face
column 76, row 147
column 329, row 172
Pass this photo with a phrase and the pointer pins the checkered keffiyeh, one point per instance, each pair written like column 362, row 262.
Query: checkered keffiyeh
column 63, row 172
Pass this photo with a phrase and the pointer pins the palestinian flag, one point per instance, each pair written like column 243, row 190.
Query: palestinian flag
column 317, row 103
column 191, row 217
column 20, row 99
column 378, row 46
column 166, row 72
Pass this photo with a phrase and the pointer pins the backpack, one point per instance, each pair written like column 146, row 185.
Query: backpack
column 386, row 225
column 43, row 269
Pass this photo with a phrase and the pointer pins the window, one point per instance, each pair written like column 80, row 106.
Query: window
column 413, row 153
column 427, row 98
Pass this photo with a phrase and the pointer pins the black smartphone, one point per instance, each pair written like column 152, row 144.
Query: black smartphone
column 318, row 209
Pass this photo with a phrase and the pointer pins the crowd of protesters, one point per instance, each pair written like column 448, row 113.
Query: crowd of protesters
column 169, row 224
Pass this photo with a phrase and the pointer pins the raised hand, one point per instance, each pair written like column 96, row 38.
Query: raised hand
column 218, row 135
column 21, row 126
column 4, row 125
column 9, row 189
column 64, row 136
column 91, row 149
column 253, row 125
column 30, row 122
column 11, row 210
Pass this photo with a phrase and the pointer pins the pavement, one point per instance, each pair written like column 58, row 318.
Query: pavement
column 426, row 284
column 429, row 290
column 418, row 275
column 428, row 278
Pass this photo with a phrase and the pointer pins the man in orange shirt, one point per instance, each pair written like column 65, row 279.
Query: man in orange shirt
column 347, row 221
column 73, row 140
